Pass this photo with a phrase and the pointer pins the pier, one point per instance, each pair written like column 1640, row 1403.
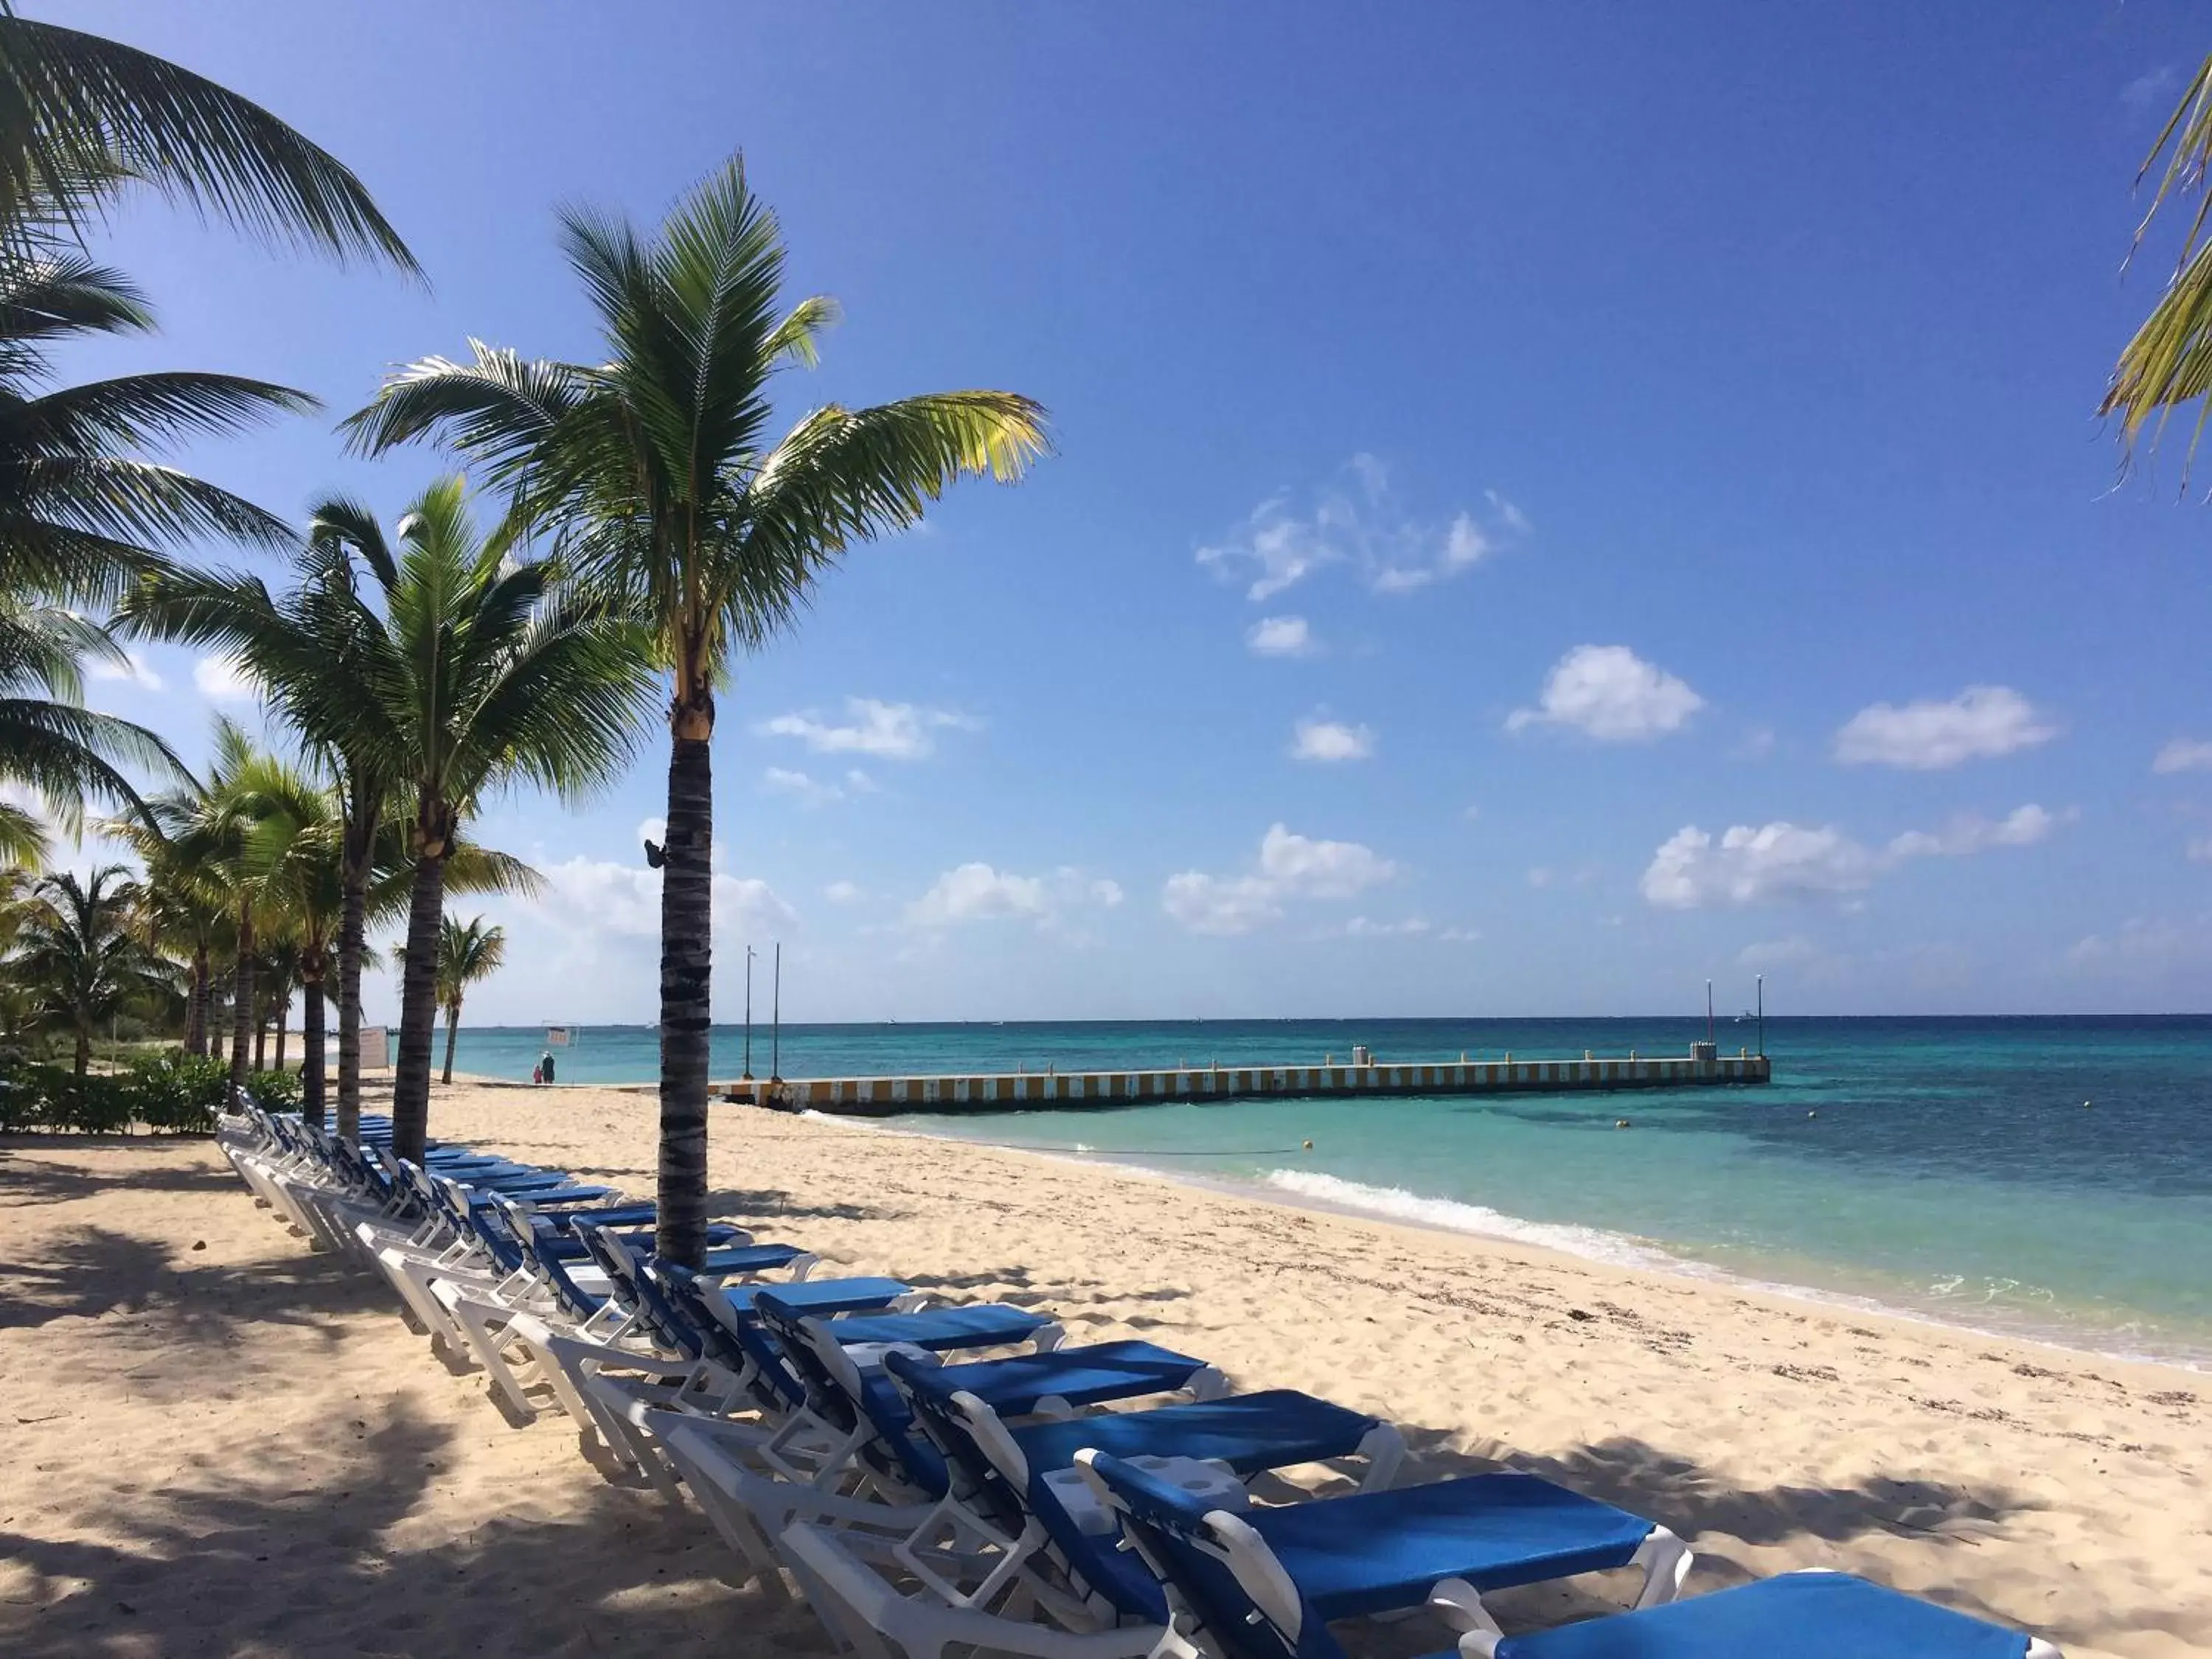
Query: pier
column 886, row 1097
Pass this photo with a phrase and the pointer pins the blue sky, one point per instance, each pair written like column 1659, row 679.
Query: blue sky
column 1552, row 507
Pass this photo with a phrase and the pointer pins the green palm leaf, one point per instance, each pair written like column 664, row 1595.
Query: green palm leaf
column 73, row 103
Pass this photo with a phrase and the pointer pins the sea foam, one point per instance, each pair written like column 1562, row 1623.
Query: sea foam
column 1592, row 1243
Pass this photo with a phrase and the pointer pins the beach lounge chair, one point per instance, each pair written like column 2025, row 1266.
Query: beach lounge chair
column 1019, row 1541
column 1799, row 1615
column 888, row 1482
column 1245, row 1581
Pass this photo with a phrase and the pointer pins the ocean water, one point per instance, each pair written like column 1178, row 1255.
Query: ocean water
column 2040, row 1177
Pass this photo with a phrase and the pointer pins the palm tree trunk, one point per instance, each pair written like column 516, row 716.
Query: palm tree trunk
column 311, row 1050
column 453, row 1025
column 196, row 1013
column 418, row 1011
column 84, row 1055
column 260, row 1039
column 352, row 928
column 241, row 1009
column 283, row 1021
column 686, row 967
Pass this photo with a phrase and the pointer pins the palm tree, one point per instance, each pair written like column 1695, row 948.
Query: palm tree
column 211, row 826
column 79, row 951
column 301, row 851
column 2168, row 362
column 73, row 105
column 467, row 951
column 300, row 650
column 448, row 671
column 81, row 512
column 658, row 476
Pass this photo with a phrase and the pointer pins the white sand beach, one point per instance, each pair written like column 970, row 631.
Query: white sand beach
column 216, row 1444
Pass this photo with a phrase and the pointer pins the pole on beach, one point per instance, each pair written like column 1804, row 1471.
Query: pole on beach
column 1761, row 983
column 1708, row 1011
column 749, row 1013
column 775, row 1031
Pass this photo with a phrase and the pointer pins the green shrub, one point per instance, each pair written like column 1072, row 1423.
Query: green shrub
column 275, row 1091
column 177, row 1093
column 173, row 1093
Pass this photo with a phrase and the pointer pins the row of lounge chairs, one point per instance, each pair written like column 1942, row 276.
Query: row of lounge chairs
column 938, row 1480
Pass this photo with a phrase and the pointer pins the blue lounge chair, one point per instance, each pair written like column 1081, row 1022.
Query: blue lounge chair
column 1001, row 1474
column 1250, row 1583
column 1799, row 1615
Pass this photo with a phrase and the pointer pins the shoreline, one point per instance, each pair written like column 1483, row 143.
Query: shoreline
column 1621, row 1252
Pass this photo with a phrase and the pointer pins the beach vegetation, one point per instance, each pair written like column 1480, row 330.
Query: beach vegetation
column 659, row 477
column 2168, row 362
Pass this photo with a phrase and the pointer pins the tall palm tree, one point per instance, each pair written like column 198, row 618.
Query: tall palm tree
column 301, row 852
column 658, row 475
column 73, row 105
column 2168, row 362
column 299, row 649
column 181, row 915
column 432, row 675
column 79, row 951
column 211, row 825
column 467, row 951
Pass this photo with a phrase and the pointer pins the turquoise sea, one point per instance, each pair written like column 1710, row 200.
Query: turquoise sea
column 2046, row 1178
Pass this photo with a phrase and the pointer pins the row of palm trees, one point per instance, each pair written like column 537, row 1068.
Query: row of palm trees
column 649, row 523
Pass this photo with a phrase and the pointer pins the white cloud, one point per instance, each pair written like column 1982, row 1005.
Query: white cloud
column 2183, row 755
column 1358, row 521
column 1782, row 861
column 596, row 897
column 1290, row 866
column 134, row 668
column 1980, row 723
column 2151, row 88
column 1219, row 904
column 2145, row 945
column 1461, row 935
column 1613, row 695
column 1331, row 740
column 779, row 781
column 1777, row 860
column 976, row 892
column 843, row 892
column 224, row 679
column 2023, row 827
column 892, row 731
column 1363, row 927
column 1280, row 636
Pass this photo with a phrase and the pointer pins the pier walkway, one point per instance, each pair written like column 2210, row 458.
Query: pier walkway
column 886, row 1097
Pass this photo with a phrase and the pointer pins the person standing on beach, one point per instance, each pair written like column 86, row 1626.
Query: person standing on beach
column 545, row 1067
column 537, row 1073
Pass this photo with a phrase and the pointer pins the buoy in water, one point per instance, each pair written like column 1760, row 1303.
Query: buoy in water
column 1309, row 1146
column 1620, row 1123
column 2087, row 1105
column 1812, row 1114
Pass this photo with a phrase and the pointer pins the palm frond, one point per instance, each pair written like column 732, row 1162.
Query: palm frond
column 2168, row 361
column 73, row 103
column 145, row 410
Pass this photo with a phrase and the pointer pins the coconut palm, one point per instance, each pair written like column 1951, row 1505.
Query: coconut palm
column 81, row 954
column 658, row 474
column 2169, row 360
column 301, row 852
column 467, row 951
column 181, row 915
column 73, row 105
column 210, row 826
column 49, row 742
column 298, row 648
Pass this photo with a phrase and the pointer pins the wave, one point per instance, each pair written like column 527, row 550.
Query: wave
column 1592, row 1243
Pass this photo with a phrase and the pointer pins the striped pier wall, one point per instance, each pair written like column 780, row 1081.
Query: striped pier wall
column 886, row 1097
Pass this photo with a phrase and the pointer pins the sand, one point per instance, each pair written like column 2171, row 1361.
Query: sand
column 215, row 1442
